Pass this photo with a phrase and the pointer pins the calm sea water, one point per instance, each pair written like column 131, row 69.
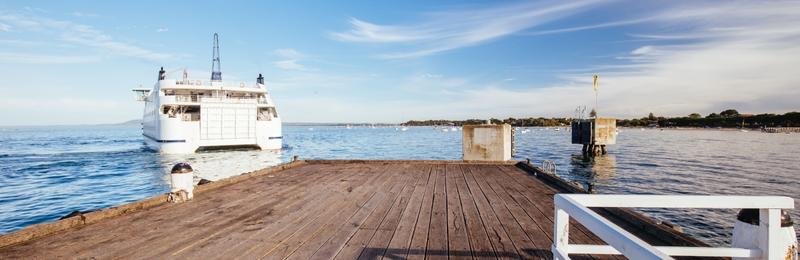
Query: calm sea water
column 48, row 172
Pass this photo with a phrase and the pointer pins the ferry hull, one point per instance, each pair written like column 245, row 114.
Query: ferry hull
column 176, row 137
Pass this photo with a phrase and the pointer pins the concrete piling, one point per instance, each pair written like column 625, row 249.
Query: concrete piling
column 594, row 134
column 486, row 142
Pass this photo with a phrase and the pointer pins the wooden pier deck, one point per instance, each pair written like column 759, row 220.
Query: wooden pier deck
column 327, row 210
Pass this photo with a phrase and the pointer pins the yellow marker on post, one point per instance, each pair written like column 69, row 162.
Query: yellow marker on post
column 595, row 84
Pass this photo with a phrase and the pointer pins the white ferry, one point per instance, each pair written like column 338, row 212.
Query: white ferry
column 186, row 115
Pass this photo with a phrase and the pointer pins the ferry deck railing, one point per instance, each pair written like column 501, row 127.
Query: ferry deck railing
column 197, row 82
column 624, row 243
column 200, row 98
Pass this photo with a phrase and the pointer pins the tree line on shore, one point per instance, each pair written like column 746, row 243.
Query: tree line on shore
column 727, row 118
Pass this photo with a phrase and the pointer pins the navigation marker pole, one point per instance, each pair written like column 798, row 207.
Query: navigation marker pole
column 595, row 83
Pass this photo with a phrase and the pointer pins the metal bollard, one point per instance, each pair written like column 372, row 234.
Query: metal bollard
column 746, row 232
column 182, row 178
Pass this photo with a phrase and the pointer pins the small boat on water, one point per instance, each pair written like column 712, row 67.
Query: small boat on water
column 183, row 115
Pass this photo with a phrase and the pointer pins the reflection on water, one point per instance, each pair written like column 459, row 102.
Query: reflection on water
column 588, row 169
column 220, row 164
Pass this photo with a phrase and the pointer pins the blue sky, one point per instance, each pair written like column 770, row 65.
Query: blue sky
column 74, row 62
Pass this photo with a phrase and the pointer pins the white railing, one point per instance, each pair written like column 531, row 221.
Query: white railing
column 199, row 98
column 622, row 242
column 205, row 83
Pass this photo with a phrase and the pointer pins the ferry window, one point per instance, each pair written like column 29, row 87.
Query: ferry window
column 273, row 112
column 263, row 114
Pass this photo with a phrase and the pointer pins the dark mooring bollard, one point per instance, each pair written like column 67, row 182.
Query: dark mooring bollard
column 182, row 177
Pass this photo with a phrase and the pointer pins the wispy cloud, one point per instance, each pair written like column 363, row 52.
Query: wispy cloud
column 289, row 59
column 82, row 14
column 591, row 26
column 289, row 65
column 736, row 54
column 84, row 35
column 162, row 29
column 19, row 58
column 699, row 58
column 4, row 27
column 449, row 30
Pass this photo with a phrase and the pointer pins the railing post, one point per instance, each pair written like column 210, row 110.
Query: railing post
column 768, row 236
column 560, row 232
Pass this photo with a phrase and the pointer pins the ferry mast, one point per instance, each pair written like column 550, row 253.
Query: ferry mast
column 216, row 73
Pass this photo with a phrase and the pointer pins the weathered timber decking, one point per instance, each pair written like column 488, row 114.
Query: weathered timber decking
column 342, row 210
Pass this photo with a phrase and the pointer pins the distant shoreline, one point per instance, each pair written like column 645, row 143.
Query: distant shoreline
column 728, row 119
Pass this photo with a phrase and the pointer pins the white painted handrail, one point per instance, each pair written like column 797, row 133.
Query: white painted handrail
column 622, row 242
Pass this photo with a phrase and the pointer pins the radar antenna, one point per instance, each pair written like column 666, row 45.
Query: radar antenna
column 216, row 73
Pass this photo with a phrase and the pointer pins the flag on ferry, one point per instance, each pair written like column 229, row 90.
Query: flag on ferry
column 595, row 82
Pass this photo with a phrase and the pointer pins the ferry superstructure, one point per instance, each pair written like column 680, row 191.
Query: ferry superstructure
column 186, row 115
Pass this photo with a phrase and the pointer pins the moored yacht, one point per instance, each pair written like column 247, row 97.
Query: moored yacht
column 186, row 115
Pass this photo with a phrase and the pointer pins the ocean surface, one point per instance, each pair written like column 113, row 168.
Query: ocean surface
column 48, row 172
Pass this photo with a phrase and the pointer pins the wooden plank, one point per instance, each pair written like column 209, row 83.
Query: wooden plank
column 380, row 240
column 458, row 246
column 276, row 234
column 501, row 242
column 304, row 206
column 236, row 218
column 501, row 186
column 479, row 241
column 359, row 240
column 337, row 209
column 525, row 246
column 437, row 234
column 220, row 205
column 311, row 247
column 243, row 235
column 346, row 230
column 401, row 240
column 419, row 239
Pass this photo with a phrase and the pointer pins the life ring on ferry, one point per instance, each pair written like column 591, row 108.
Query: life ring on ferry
column 241, row 84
